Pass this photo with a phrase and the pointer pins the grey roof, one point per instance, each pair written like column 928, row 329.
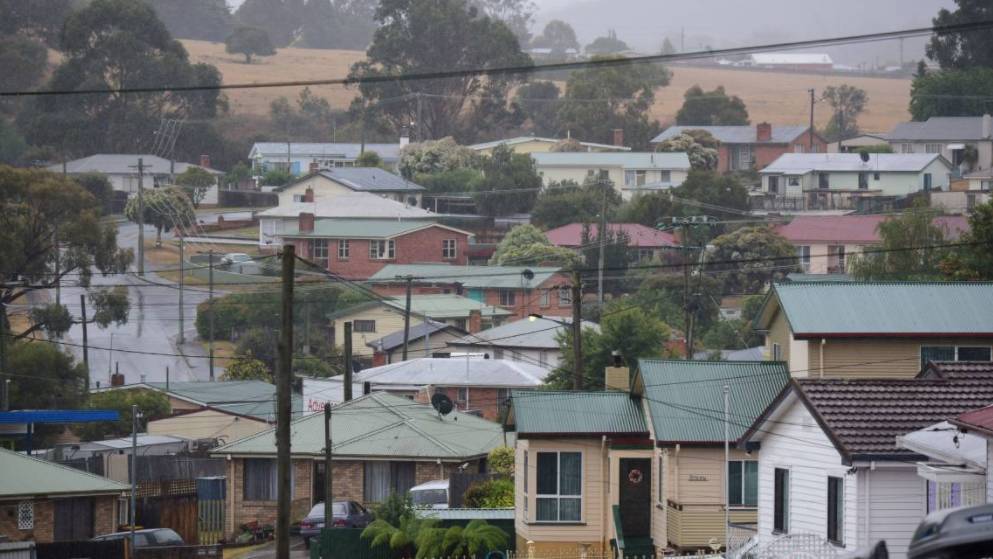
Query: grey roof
column 243, row 397
column 790, row 58
column 418, row 331
column 370, row 179
column 388, row 152
column 851, row 162
column 471, row 277
column 945, row 128
column 526, row 139
column 737, row 134
column 143, row 439
column 627, row 160
column 356, row 205
column 541, row 333
column 433, row 305
column 125, row 164
column 24, row 476
column 455, row 371
column 466, row 514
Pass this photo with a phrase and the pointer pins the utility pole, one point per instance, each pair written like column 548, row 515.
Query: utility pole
column 210, row 307
column 4, row 403
column 406, row 318
column 328, row 494
column 58, row 267
column 86, row 348
column 810, row 131
column 727, row 457
column 141, row 217
column 577, row 331
column 284, row 388
column 134, row 471
column 603, row 241
column 348, row 362
column 182, row 272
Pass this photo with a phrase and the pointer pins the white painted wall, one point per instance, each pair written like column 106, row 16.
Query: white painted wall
column 889, row 183
column 548, row 358
column 897, row 504
column 984, row 149
column 579, row 174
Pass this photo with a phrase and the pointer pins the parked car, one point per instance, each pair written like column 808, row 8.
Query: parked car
column 235, row 258
column 957, row 533
column 430, row 495
column 147, row 537
column 344, row 514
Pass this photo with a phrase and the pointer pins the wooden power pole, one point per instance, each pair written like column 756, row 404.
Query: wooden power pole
column 577, row 331
column 284, row 387
column 406, row 318
column 328, row 494
column 348, row 362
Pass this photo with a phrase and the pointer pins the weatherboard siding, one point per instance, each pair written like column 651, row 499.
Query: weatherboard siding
column 898, row 503
column 207, row 424
column 875, row 357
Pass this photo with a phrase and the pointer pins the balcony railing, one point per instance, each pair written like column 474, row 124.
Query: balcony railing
column 822, row 201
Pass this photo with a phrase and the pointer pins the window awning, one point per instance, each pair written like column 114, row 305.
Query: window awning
column 955, row 146
column 941, row 472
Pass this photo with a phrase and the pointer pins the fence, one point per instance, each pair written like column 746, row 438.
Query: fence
column 113, row 549
column 17, row 550
column 246, row 198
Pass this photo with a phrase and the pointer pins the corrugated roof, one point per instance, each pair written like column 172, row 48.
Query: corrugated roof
column 455, row 371
column 686, row 398
column 125, row 164
column 370, row 179
column 631, row 160
column 981, row 419
column 940, row 128
column 438, row 306
column 538, row 333
column 471, row 277
column 801, row 163
column 380, row 425
column 790, row 58
column 244, row 397
column 737, row 134
column 24, row 476
column 328, row 150
column 546, row 412
column 143, row 439
column 820, row 309
column 571, row 235
column 417, row 331
column 356, row 205
column 526, row 139
column 856, row 229
column 360, row 228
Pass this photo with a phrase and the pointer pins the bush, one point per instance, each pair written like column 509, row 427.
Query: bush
column 501, row 460
column 491, row 494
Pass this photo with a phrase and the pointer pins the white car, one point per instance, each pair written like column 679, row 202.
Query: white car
column 430, row 495
column 235, row 258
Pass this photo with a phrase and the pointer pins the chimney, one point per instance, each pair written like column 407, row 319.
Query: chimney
column 205, row 160
column 619, row 137
column 308, row 195
column 617, row 377
column 988, row 126
column 306, row 222
column 404, row 136
column 314, row 167
column 763, row 132
column 378, row 358
column 475, row 321
column 117, row 379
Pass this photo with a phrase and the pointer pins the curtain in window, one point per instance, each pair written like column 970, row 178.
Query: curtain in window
column 402, row 476
column 260, row 479
column 377, row 481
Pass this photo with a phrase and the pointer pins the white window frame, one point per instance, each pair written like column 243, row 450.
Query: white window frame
column 743, row 506
column 508, row 297
column 25, row 515
column 565, row 295
column 932, row 148
column 382, row 249
column 841, row 511
column 803, row 254
column 665, row 176
column 920, row 351
column 320, row 252
column 558, row 481
column 543, row 298
column 526, row 477
column 344, row 249
column 355, row 328
column 449, row 249
column 777, row 352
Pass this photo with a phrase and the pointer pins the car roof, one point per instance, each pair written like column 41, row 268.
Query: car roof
column 433, row 484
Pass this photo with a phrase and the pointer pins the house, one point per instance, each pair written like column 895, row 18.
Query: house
column 360, row 248
column 374, row 319
column 122, row 169
column 331, row 183
column 790, row 61
column 427, row 339
column 630, row 173
column 532, row 340
column 644, row 243
column 854, row 144
column 685, row 405
column 538, row 144
column 830, row 463
column 381, row 444
column 875, row 329
column 47, row 502
column 477, row 385
column 273, row 222
column 848, row 181
column 743, row 148
column 300, row 157
column 524, row 290
column 965, row 141
column 825, row 243
column 964, row 193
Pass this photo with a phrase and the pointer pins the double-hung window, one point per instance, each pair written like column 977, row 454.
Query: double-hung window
column 543, row 298
column 364, row 325
column 508, row 297
column 319, row 251
column 260, row 479
column 803, row 253
column 565, row 296
column 448, row 250
column 743, row 483
column 781, row 501
column 381, row 479
column 559, row 487
column 382, row 249
column 955, row 353
column 836, row 510
column 344, row 249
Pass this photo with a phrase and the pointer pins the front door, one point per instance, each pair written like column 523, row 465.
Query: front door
column 73, row 519
column 635, row 496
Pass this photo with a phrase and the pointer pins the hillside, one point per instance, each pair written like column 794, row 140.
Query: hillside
column 770, row 96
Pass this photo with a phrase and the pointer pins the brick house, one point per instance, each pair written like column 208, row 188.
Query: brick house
column 381, row 444
column 45, row 502
column 743, row 148
column 359, row 248
column 644, row 243
column 523, row 290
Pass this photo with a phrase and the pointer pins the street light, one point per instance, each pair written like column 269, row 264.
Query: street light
column 577, row 345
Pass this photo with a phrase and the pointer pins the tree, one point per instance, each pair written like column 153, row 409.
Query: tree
column 515, row 14
column 650, row 209
column 526, row 245
column 204, row 20
column 455, row 180
column 249, row 41
column 281, row 19
column 509, row 185
column 667, row 47
column 277, row 177
column 607, row 45
column 699, row 145
column 23, row 61
column 567, row 202
column 476, row 538
column 568, row 145
column 894, row 261
column 963, row 50
column 43, row 377
column 558, row 36
column 876, row 148
column 435, row 156
column 339, row 24
column 42, row 19
column 711, row 108
column 493, row 493
column 539, row 103
column 500, row 461
column 952, row 93
column 847, row 102
column 164, row 208
column 12, row 145
column 247, row 369
column 38, row 209
column 369, row 158
column 99, row 186
column 424, row 36
column 601, row 99
column 974, row 259
column 312, row 119
column 238, row 174
column 195, row 182
column 714, row 191
column 615, row 256
column 746, row 259
column 668, row 296
column 151, row 404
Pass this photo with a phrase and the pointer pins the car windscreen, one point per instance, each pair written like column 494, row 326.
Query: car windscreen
column 339, row 509
column 166, row 537
column 426, row 497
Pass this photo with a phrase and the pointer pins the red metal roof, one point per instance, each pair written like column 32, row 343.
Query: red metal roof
column 855, row 229
column 979, row 419
column 640, row 236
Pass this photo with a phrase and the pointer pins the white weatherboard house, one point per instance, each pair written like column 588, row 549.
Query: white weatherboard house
column 331, row 183
column 122, row 170
column 532, row 341
column 965, row 141
column 830, row 464
column 630, row 172
column 300, row 157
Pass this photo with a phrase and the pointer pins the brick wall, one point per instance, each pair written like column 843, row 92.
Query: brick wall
column 484, row 399
column 105, row 515
column 764, row 154
column 241, row 511
column 104, row 519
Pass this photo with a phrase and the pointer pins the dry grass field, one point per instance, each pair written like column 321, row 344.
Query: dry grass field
column 770, row 96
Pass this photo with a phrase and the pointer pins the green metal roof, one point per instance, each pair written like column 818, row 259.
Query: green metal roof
column 24, row 476
column 471, row 277
column 381, row 425
column 545, row 412
column 357, row 228
column 244, row 397
column 827, row 309
column 437, row 306
column 686, row 398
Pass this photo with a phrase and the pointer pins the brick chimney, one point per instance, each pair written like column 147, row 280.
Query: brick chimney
column 308, row 195
column 763, row 131
column 314, row 167
column 205, row 160
column 619, row 137
column 117, row 379
column 475, row 321
column 306, row 222
column 617, row 377
column 378, row 358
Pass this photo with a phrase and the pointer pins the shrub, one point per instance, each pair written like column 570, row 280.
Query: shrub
column 491, row 494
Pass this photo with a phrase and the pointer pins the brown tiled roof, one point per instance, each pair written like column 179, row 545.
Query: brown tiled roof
column 965, row 370
column 864, row 417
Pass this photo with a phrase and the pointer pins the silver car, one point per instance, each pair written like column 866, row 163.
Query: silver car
column 344, row 514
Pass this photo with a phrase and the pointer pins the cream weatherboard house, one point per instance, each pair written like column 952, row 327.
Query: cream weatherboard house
column 630, row 173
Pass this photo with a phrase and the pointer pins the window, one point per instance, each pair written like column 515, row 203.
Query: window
column 777, row 352
column 955, row 353
column 979, row 353
column 448, row 250
column 927, row 182
column 875, row 176
column 344, row 249
column 559, row 491
column 743, row 483
column 498, row 353
column 665, row 176
column 863, row 181
column 364, row 326
column 382, row 250
column 298, row 197
column 836, row 510
column 823, row 181
column 793, row 180
column 526, row 477
column 634, row 178
column 781, row 501
column 741, row 157
column 803, row 254
column 319, row 251
column 949, row 494
column 508, row 297
column 932, row 148
column 503, row 394
column 543, row 358
column 384, row 478
column 660, row 497
column 836, row 259
column 565, row 296
column 462, row 395
column 260, row 479
column 906, row 148
column 460, row 323
column 543, row 298
column 25, row 515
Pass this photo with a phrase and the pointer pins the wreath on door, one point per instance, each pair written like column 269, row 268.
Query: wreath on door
column 635, row 476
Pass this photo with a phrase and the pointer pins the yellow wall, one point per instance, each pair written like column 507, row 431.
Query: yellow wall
column 207, row 424
column 779, row 332
column 388, row 320
column 875, row 358
column 325, row 189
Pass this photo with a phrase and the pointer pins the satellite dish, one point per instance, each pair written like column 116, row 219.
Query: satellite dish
column 528, row 274
column 442, row 403
column 865, row 156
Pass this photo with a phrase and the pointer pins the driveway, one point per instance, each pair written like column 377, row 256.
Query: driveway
column 268, row 551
